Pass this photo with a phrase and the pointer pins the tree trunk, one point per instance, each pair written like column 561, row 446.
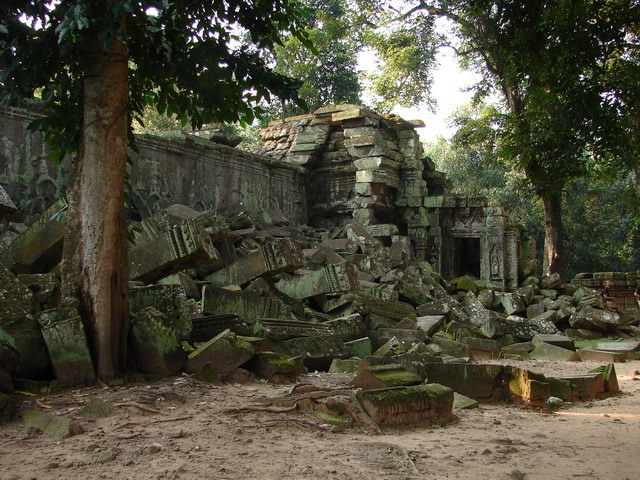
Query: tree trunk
column 95, row 265
column 554, row 258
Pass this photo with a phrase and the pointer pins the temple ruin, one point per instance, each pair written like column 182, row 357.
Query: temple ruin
column 326, row 169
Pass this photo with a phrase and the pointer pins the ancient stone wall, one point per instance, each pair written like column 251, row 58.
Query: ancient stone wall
column 191, row 171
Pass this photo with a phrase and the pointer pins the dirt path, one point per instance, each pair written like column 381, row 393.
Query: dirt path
column 180, row 429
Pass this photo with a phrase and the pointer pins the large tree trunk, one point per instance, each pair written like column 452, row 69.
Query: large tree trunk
column 95, row 266
column 554, row 258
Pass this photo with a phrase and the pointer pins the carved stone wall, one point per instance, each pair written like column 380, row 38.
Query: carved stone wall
column 193, row 171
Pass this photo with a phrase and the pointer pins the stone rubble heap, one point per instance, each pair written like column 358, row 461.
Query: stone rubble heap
column 234, row 296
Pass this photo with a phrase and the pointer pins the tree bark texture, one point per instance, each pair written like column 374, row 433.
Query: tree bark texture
column 554, row 258
column 95, row 265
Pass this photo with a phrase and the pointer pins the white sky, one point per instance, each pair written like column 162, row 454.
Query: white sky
column 448, row 90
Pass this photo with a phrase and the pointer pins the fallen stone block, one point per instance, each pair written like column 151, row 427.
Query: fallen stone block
column 546, row 351
column 53, row 425
column 553, row 339
column 349, row 365
column 393, row 310
column 223, row 353
column 181, row 246
column 408, row 406
column 430, row 324
column 39, row 248
column 282, row 255
column 517, row 351
column 450, row 346
column 380, row 290
column 591, row 318
column 482, row 348
column 512, row 303
column 585, row 387
column 484, row 383
column 155, row 343
column 406, row 338
column 629, row 348
column 609, row 376
column 168, row 299
column 6, row 204
column 329, row 279
column 18, row 323
column 350, row 327
column 317, row 352
column 461, row 402
column 64, row 335
column 248, row 307
column 527, row 386
column 385, row 375
column 274, row 367
column 601, row 356
column 359, row 348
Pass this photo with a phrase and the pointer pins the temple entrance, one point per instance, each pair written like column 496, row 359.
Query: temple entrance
column 466, row 257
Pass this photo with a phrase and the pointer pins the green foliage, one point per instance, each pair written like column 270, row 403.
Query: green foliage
column 328, row 72
column 187, row 59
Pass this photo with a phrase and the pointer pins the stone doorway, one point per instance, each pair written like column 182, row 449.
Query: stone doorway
column 466, row 257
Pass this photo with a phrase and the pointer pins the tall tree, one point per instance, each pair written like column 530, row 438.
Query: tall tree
column 328, row 72
column 550, row 61
column 97, row 63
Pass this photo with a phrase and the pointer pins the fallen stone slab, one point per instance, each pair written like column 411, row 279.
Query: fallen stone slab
column 482, row 348
column 329, row 279
column 610, row 378
column 628, row 348
column 517, row 351
column 384, row 375
column 384, row 308
column 155, row 343
column 406, row 338
column 450, row 346
column 281, row 255
column 553, row 339
column 527, row 386
column 585, row 387
column 223, row 353
column 546, row 351
column 274, row 367
column 461, row 402
column 317, row 352
column 349, row 365
column 587, row 354
column 171, row 300
column 39, row 248
column 247, row 306
column 350, row 327
column 360, row 347
column 430, row 324
column 484, row 383
column 408, row 406
column 64, row 335
column 53, row 425
column 186, row 245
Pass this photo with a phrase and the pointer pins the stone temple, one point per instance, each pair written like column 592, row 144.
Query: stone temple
column 331, row 167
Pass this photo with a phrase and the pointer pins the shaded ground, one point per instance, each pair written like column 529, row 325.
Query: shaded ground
column 182, row 429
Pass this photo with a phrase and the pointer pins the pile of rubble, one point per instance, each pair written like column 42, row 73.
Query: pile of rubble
column 237, row 295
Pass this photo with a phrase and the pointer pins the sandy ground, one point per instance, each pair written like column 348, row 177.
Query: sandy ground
column 179, row 428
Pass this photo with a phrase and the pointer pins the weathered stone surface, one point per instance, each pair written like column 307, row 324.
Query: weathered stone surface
column 248, row 307
column 350, row 365
column 177, row 247
column 610, row 378
column 392, row 310
column 461, row 402
column 585, row 387
column 6, row 204
column 45, row 288
column 595, row 318
column 384, row 375
column 16, row 302
column 282, row 255
column 554, row 339
column 317, row 352
column 168, row 299
column 413, row 405
column 351, row 327
column 513, row 303
column 406, row 338
column 601, row 355
column 545, row 351
column 274, row 367
column 518, row 351
column 628, row 347
column 155, row 343
column 53, row 425
column 482, row 348
column 330, row 279
column 359, row 348
column 67, row 345
column 39, row 248
column 430, row 324
column 484, row 383
column 223, row 353
column 450, row 346
column 527, row 386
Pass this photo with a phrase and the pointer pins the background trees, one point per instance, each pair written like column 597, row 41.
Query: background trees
column 97, row 63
